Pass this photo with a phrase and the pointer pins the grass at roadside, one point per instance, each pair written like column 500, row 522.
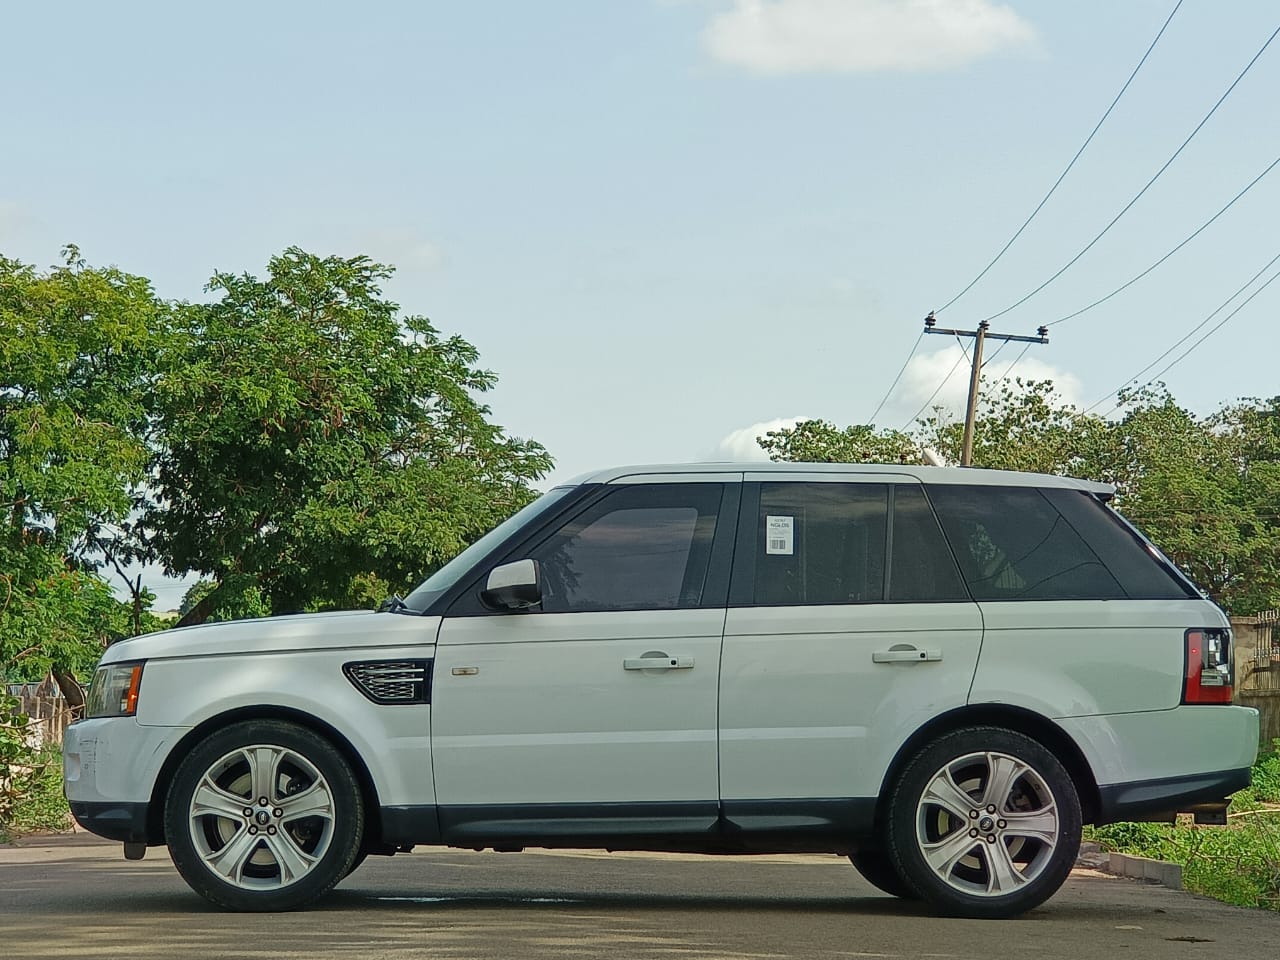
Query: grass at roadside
column 41, row 807
column 1238, row 863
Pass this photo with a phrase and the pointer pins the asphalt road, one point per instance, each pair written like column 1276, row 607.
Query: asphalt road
column 74, row 896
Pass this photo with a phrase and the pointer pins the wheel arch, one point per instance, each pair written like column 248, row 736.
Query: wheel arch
column 1017, row 719
column 160, row 789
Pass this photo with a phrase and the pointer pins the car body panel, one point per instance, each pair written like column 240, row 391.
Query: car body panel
column 806, row 712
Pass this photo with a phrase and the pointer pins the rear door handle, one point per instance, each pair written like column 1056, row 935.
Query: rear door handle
column 905, row 654
column 658, row 663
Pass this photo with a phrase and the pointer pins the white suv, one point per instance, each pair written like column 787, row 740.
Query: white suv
column 940, row 673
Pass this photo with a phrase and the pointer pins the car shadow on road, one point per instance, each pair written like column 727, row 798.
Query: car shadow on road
column 357, row 899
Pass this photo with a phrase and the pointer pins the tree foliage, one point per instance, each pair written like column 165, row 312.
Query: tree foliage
column 77, row 346
column 1206, row 490
column 308, row 436
column 818, row 441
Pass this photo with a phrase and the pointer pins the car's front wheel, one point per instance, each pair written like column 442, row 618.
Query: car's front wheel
column 263, row 815
column 984, row 822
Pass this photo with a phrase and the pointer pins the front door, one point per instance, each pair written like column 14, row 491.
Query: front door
column 594, row 717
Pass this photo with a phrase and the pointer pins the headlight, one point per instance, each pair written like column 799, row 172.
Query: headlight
column 114, row 691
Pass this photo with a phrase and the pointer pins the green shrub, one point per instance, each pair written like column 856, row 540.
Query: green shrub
column 1238, row 863
column 30, row 780
column 43, row 807
column 1266, row 776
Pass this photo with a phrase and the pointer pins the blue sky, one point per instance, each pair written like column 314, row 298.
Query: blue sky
column 664, row 222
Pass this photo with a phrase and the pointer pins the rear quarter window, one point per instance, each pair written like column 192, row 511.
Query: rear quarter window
column 1012, row 543
column 1134, row 562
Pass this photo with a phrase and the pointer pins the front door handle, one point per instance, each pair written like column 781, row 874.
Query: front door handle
column 657, row 662
column 904, row 653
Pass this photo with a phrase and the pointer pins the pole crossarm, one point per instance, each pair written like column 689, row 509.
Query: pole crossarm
column 989, row 336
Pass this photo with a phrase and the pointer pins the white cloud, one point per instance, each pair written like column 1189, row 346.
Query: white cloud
column 925, row 372
column 741, row 444
column 862, row 36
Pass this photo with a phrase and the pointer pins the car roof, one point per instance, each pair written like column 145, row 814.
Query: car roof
column 730, row 470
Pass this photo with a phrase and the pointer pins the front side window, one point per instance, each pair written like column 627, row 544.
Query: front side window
column 820, row 543
column 1013, row 544
column 643, row 547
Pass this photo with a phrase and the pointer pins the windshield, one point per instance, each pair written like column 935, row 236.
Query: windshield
column 444, row 578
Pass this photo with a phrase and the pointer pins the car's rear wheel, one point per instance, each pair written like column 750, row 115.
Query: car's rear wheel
column 984, row 822
column 263, row 815
column 878, row 870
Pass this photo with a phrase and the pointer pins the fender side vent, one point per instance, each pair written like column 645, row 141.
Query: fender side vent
column 391, row 681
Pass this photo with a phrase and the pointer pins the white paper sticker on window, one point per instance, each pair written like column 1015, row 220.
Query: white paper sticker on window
column 779, row 535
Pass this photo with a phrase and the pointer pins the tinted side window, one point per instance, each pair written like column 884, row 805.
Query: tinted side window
column 819, row 543
column 1013, row 544
column 922, row 569
column 643, row 547
column 1130, row 560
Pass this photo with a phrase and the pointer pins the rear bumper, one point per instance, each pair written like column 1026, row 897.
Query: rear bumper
column 126, row 822
column 1160, row 799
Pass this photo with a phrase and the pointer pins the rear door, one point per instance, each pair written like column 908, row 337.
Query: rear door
column 848, row 628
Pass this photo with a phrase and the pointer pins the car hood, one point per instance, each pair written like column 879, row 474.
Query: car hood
column 314, row 631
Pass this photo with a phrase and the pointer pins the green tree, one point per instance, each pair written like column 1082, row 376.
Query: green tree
column 309, row 435
column 818, row 441
column 1206, row 490
column 1023, row 425
column 226, row 602
column 77, row 347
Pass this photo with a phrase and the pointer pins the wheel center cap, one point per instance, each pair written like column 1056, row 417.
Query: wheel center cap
column 986, row 824
column 263, row 818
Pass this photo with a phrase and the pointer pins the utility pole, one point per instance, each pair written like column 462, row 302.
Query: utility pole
column 980, row 336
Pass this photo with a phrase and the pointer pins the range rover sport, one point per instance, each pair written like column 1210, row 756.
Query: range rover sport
column 939, row 673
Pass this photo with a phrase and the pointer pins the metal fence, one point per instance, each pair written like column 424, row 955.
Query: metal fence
column 1268, row 650
column 44, row 704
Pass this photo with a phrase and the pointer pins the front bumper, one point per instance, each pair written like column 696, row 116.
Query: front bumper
column 110, row 766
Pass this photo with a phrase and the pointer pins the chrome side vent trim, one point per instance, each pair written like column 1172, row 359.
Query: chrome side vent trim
column 391, row 681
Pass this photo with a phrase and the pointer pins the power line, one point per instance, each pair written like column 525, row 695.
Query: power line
column 1215, row 328
column 1189, row 334
column 888, row 393
column 1062, row 176
column 1190, row 237
column 999, row 350
column 963, row 356
column 1016, row 361
column 1138, row 196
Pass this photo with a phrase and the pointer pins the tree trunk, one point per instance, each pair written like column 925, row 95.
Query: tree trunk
column 201, row 611
column 72, row 692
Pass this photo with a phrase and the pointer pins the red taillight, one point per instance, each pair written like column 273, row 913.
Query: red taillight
column 1207, row 677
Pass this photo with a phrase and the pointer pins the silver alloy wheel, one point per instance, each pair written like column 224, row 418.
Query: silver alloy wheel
column 987, row 824
column 261, row 817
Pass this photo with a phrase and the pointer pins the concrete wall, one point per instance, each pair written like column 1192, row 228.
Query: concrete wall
column 1257, row 650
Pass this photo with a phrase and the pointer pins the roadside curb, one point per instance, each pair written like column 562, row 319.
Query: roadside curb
column 1127, row 865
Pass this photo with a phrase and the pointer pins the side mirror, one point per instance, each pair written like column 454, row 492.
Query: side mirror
column 513, row 586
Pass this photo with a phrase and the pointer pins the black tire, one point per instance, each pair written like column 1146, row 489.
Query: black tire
column 361, row 856
column 1004, row 857
column 279, row 855
column 877, row 869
